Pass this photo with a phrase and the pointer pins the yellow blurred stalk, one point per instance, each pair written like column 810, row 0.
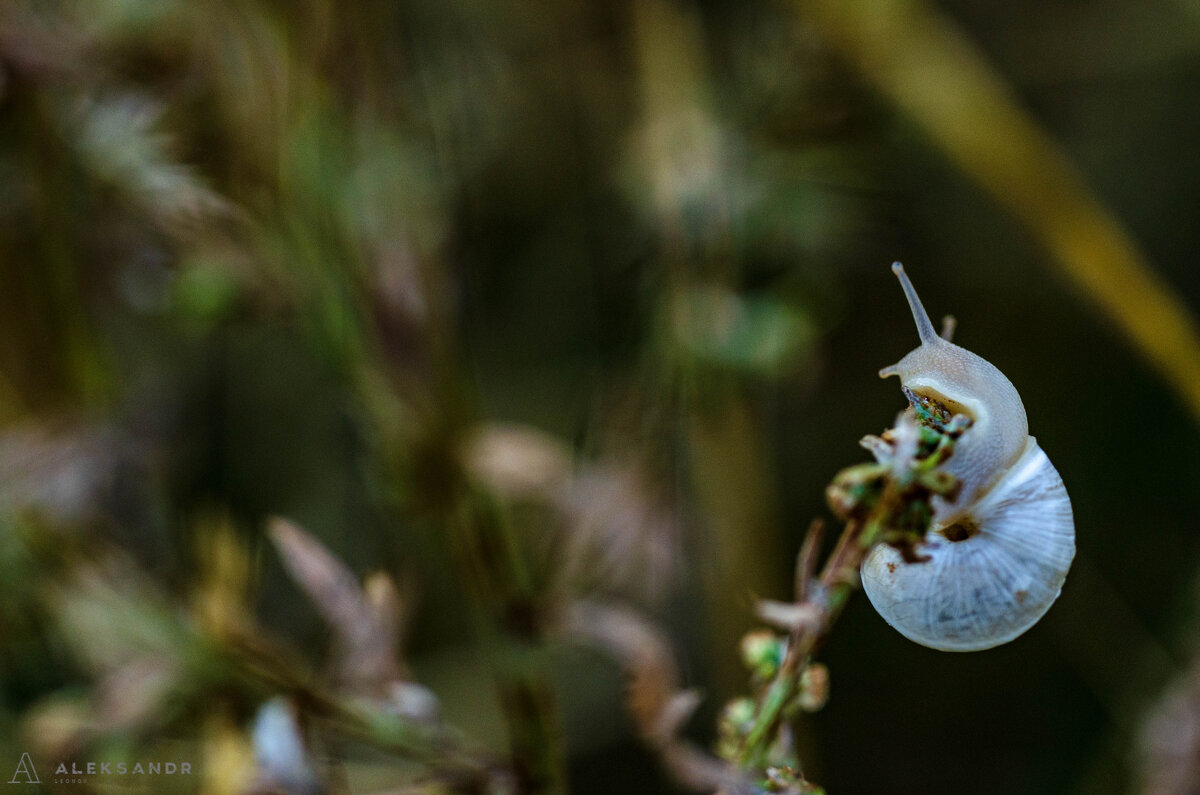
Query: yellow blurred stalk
column 229, row 766
column 929, row 68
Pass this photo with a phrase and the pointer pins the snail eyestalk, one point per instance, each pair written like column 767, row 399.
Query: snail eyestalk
column 924, row 325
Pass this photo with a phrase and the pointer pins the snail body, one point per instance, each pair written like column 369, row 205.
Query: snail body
column 997, row 554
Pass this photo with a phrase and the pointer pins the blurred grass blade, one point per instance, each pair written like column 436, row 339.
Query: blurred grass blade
column 932, row 71
column 119, row 142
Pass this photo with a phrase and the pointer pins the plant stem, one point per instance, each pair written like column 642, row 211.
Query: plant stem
column 838, row 580
column 909, row 480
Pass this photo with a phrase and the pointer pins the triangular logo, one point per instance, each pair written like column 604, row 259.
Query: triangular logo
column 25, row 768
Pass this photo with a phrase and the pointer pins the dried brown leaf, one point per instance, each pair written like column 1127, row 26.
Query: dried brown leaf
column 789, row 615
column 655, row 701
column 1168, row 742
column 60, row 471
column 365, row 624
column 619, row 536
column 642, row 652
column 616, row 534
column 131, row 697
column 517, row 461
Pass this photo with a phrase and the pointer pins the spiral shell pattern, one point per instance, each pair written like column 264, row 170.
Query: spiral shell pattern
column 992, row 585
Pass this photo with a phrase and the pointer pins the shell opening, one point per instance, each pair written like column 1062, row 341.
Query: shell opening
column 960, row 531
column 934, row 409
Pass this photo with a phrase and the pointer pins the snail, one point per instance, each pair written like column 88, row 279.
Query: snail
column 996, row 555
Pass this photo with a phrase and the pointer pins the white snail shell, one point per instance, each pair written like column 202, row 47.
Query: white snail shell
column 1012, row 523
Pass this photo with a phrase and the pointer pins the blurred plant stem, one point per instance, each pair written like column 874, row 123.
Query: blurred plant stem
column 45, row 306
column 932, row 71
column 682, row 149
column 419, row 404
column 734, row 489
column 512, row 632
column 508, row 618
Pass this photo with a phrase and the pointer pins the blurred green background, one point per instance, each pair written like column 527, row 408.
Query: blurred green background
column 605, row 283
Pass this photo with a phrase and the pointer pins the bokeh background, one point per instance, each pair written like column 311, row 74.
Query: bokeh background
column 517, row 307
